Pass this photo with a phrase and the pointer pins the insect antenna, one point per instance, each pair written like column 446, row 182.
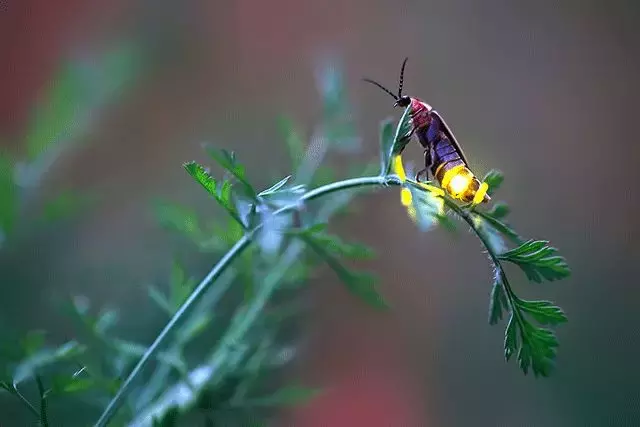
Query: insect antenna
column 401, row 78
column 381, row 87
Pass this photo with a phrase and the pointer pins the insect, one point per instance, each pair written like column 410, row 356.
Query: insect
column 443, row 156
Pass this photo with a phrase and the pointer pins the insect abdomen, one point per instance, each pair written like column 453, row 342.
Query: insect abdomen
column 453, row 174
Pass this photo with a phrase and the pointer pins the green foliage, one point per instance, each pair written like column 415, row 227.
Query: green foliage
column 494, row 179
column 498, row 302
column 271, row 241
column 392, row 144
column 329, row 248
column 538, row 260
column 221, row 191
column 229, row 162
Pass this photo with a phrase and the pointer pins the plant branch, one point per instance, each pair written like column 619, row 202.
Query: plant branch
column 484, row 239
column 241, row 323
column 14, row 390
column 184, row 309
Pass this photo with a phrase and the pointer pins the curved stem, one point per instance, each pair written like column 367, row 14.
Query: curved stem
column 24, row 400
column 195, row 296
column 484, row 239
column 218, row 269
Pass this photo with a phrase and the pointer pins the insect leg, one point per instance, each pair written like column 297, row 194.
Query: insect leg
column 427, row 165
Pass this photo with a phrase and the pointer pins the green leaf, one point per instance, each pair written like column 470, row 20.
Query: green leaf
column 499, row 210
column 293, row 139
column 386, row 146
column 67, row 384
column 510, row 338
column 293, row 395
column 538, row 261
column 494, row 179
column 228, row 161
column 220, row 191
column 178, row 218
column 494, row 239
column 538, row 350
column 544, row 312
column 168, row 419
column 500, row 226
column 161, row 301
column 401, row 137
column 498, row 303
column 359, row 284
column 336, row 246
column 181, row 285
column 45, row 358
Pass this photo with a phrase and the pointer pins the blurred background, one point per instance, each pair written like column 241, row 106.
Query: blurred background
column 101, row 102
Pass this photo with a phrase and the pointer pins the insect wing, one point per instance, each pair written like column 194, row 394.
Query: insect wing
column 452, row 138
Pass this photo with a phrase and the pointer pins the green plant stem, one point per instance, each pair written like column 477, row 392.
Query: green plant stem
column 44, row 420
column 24, row 400
column 484, row 239
column 258, row 303
column 184, row 309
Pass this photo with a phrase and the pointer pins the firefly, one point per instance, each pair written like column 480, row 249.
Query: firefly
column 443, row 156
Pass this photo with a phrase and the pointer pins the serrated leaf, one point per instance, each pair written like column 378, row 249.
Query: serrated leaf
column 220, row 191
column 337, row 246
column 544, row 312
column 403, row 130
column 510, row 338
column 498, row 303
column 293, row 139
column 538, row 261
column 494, row 179
column 538, row 350
column 287, row 396
column 359, row 284
column 386, row 146
column 228, row 161
column 202, row 176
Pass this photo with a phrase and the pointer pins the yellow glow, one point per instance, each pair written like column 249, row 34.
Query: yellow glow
column 405, row 197
column 479, row 197
column 459, row 184
column 398, row 168
column 448, row 175
column 435, row 190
